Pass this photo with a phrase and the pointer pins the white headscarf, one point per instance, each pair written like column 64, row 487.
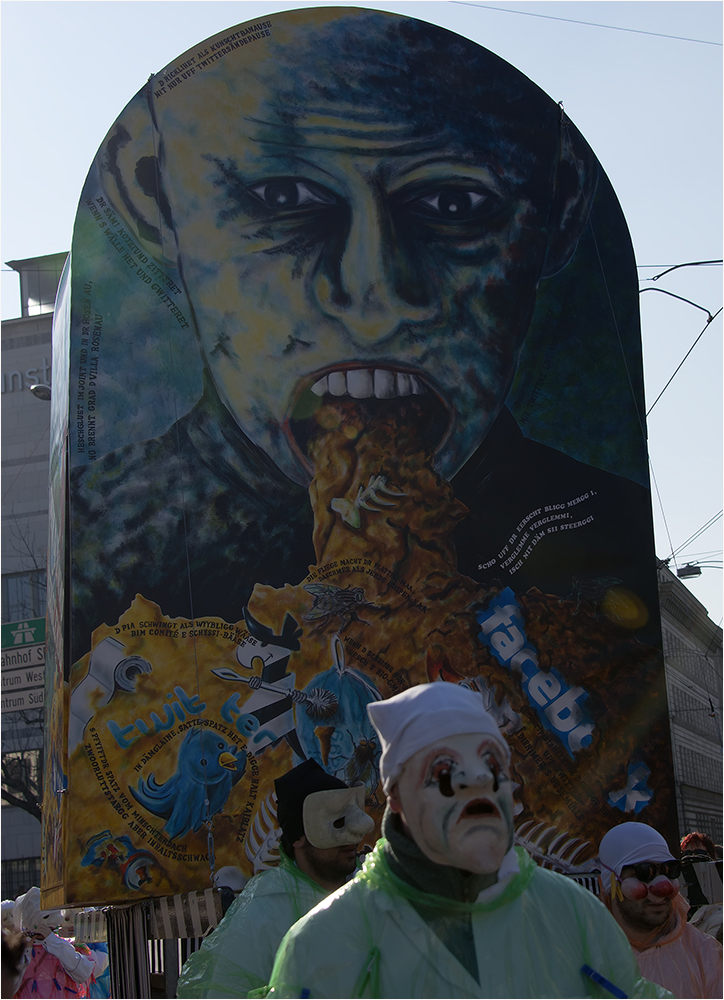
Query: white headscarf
column 415, row 718
column 28, row 916
column 630, row 843
column 7, row 912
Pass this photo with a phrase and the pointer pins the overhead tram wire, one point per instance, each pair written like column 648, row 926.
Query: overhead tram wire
column 663, row 512
column 675, row 267
column 703, row 331
column 691, row 263
column 590, row 24
column 639, row 416
column 713, row 556
column 710, row 318
column 664, row 291
column 700, row 531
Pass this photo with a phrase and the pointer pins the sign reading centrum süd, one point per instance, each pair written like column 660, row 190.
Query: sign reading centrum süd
column 23, row 665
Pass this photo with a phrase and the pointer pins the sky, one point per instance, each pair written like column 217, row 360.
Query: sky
column 641, row 81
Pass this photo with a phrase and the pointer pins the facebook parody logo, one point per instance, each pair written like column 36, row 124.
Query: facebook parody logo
column 559, row 707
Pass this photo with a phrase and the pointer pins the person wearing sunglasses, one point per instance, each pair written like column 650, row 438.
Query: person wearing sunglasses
column 639, row 878
column 446, row 904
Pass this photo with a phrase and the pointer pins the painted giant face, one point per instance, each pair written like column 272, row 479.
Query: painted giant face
column 455, row 797
column 339, row 249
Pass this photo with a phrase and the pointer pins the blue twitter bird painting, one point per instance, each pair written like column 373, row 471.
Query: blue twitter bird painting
column 207, row 767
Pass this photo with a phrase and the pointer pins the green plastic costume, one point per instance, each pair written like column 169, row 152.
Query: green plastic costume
column 237, row 958
column 369, row 940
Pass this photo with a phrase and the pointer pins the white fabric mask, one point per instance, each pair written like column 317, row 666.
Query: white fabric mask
column 335, row 817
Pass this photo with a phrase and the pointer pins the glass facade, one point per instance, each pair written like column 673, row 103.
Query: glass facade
column 18, row 875
column 39, row 277
column 23, row 595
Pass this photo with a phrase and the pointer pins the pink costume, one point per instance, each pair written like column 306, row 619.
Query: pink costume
column 46, row 975
column 683, row 960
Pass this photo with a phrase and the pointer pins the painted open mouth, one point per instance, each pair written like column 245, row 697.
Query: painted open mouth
column 372, row 394
column 477, row 808
column 364, row 383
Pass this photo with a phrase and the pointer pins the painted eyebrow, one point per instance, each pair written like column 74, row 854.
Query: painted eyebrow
column 454, row 167
column 439, row 750
column 447, row 159
column 432, row 757
column 290, row 162
column 504, row 763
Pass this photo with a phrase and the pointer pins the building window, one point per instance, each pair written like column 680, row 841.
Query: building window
column 23, row 595
column 700, row 667
column 19, row 875
column 39, row 286
column 699, row 770
column 705, row 822
column 21, row 774
column 694, row 714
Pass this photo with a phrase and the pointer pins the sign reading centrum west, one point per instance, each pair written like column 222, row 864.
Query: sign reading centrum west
column 23, row 665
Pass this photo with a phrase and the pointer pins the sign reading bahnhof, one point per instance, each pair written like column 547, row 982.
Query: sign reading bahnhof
column 23, row 665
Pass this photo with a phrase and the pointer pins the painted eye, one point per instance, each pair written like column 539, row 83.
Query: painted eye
column 451, row 203
column 496, row 769
column 220, row 746
column 338, row 823
column 285, row 193
column 439, row 769
column 441, row 775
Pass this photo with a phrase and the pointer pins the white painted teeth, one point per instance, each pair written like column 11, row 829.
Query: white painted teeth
column 385, row 387
column 362, row 383
column 337, row 383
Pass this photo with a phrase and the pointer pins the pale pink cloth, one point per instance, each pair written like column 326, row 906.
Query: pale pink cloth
column 45, row 975
column 685, row 962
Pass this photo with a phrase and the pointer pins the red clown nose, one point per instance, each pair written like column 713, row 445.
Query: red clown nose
column 663, row 887
column 632, row 888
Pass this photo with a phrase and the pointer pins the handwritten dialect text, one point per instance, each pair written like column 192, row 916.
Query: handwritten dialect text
column 547, row 519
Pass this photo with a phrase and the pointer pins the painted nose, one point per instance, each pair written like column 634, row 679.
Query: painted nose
column 481, row 776
column 373, row 286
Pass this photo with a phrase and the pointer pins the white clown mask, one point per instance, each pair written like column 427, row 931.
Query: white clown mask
column 456, row 798
column 335, row 817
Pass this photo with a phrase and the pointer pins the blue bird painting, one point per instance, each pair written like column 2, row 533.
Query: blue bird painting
column 207, row 767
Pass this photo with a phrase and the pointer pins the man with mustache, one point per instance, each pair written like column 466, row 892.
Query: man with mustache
column 641, row 888
column 446, row 906
column 356, row 205
column 322, row 822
